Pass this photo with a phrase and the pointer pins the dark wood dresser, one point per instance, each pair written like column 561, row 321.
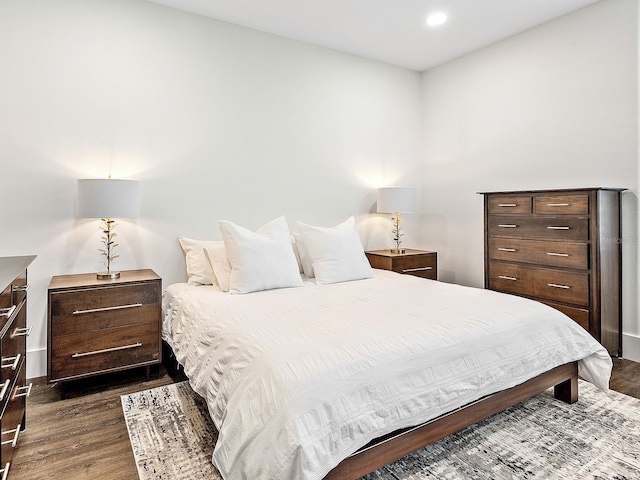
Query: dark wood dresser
column 420, row 263
column 13, row 348
column 99, row 326
column 561, row 247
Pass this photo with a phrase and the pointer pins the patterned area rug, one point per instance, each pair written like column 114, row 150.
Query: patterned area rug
column 597, row 438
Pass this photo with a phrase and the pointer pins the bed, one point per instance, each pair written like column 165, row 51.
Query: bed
column 334, row 380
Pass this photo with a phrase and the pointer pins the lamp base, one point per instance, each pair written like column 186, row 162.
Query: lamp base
column 107, row 275
column 397, row 250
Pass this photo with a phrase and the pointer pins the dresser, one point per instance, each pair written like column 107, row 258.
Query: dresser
column 100, row 326
column 420, row 263
column 561, row 247
column 13, row 347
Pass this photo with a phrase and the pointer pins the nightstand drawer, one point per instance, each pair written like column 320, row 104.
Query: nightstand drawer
column 94, row 309
column 112, row 349
column 418, row 265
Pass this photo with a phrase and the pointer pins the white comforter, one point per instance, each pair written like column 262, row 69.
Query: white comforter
column 297, row 379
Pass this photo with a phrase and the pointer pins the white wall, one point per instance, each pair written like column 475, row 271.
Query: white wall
column 553, row 107
column 215, row 120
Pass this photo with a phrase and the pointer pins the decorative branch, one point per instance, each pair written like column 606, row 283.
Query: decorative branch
column 107, row 240
column 397, row 230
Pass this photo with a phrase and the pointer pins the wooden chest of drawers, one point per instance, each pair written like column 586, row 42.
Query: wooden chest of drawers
column 420, row 263
column 561, row 247
column 100, row 326
column 13, row 348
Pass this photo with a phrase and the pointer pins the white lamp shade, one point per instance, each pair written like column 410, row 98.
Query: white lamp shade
column 108, row 198
column 396, row 199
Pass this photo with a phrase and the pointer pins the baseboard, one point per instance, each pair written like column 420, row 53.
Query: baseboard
column 37, row 363
column 631, row 347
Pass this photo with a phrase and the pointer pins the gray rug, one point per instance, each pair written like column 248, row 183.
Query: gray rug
column 597, row 438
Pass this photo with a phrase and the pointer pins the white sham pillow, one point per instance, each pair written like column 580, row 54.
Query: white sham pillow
column 220, row 266
column 263, row 260
column 335, row 253
column 305, row 262
column 198, row 269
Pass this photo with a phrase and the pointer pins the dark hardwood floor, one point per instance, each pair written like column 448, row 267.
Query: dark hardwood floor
column 77, row 431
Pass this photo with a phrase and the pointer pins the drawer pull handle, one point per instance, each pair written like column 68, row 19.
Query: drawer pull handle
column 24, row 391
column 107, row 309
column 555, row 285
column 507, row 204
column 22, row 332
column 557, row 204
column 558, row 254
column 20, row 288
column 419, row 269
column 15, row 360
column 7, row 312
column 505, row 277
column 5, row 387
column 106, row 350
column 558, row 228
column 5, row 471
column 14, row 440
column 507, row 226
column 501, row 249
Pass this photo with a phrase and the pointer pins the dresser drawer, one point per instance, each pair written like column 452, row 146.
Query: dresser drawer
column 579, row 315
column 554, row 254
column 552, row 228
column 13, row 344
column 112, row 349
column 92, row 309
column 543, row 283
column 510, row 205
column 13, row 415
column 561, row 205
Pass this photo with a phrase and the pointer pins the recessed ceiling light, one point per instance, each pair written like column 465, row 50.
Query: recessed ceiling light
column 436, row 19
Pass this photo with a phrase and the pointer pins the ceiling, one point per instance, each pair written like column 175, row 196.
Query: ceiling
column 391, row 31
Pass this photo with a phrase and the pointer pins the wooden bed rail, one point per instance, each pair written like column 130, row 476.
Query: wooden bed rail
column 564, row 379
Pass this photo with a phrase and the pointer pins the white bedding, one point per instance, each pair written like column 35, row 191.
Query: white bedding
column 297, row 379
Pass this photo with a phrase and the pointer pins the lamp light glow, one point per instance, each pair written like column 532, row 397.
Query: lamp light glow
column 436, row 19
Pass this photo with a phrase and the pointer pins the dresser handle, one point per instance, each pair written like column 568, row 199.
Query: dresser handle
column 506, row 249
column 558, row 254
column 106, row 350
column 557, row 204
column 15, row 361
column 14, row 440
column 22, row 332
column 558, row 228
column 24, row 391
column 5, row 471
column 555, row 285
column 419, row 269
column 507, row 226
column 507, row 204
column 106, row 309
column 20, row 288
column 5, row 387
column 504, row 277
column 7, row 312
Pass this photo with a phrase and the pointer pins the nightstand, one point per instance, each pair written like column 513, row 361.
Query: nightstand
column 420, row 263
column 99, row 326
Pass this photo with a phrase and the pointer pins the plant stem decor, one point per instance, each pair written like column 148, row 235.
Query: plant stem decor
column 397, row 232
column 107, row 229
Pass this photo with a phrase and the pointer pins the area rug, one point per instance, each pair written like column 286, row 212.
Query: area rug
column 172, row 438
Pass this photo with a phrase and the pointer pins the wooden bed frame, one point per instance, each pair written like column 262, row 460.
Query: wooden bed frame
column 388, row 449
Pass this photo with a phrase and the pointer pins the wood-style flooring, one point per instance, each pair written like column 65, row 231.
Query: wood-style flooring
column 77, row 431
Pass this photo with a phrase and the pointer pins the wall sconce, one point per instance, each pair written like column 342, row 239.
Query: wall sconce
column 108, row 199
column 396, row 200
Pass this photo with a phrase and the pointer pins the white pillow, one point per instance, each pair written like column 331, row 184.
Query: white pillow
column 305, row 262
column 220, row 266
column 262, row 260
column 335, row 253
column 198, row 269
column 296, row 252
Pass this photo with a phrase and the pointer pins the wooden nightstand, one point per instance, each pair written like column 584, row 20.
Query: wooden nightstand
column 99, row 326
column 420, row 263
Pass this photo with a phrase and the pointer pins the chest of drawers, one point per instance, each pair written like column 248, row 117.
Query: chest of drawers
column 561, row 247
column 99, row 326
column 13, row 348
column 420, row 263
